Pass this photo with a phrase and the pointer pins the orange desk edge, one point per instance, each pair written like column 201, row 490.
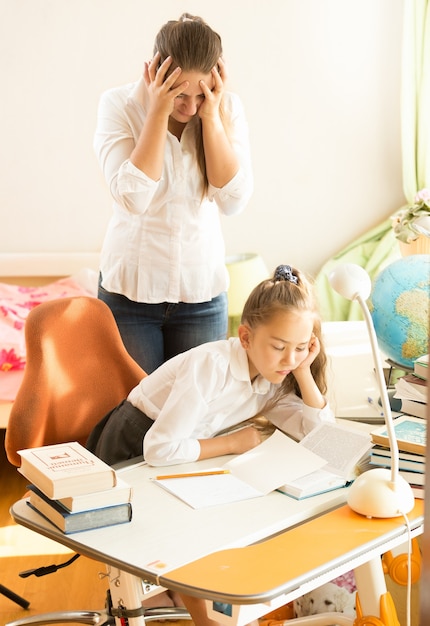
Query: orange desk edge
column 260, row 571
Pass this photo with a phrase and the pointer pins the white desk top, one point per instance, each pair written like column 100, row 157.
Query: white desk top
column 207, row 552
column 165, row 533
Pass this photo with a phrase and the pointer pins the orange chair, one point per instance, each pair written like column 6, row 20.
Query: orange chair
column 77, row 370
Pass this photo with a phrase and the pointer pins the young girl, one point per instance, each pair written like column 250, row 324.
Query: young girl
column 174, row 150
column 183, row 411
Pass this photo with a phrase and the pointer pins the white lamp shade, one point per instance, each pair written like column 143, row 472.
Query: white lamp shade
column 245, row 271
column 351, row 280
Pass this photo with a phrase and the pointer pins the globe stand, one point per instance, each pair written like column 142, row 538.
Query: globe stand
column 391, row 374
column 393, row 366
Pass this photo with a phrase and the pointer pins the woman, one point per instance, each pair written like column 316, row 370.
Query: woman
column 174, row 150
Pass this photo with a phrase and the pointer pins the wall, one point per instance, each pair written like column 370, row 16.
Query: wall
column 320, row 81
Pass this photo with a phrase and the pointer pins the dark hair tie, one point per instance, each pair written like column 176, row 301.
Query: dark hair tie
column 284, row 272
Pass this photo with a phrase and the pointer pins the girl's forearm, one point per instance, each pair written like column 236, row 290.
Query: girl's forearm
column 311, row 395
column 236, row 442
column 217, row 446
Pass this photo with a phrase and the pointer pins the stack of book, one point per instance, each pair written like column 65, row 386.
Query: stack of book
column 73, row 488
column 411, row 389
column 410, row 433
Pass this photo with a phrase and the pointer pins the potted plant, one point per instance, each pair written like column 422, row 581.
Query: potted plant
column 411, row 225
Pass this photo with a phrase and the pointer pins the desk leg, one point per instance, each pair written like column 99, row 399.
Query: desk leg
column 373, row 599
column 126, row 595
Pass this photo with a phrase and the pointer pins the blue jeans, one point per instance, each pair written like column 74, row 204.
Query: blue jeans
column 154, row 333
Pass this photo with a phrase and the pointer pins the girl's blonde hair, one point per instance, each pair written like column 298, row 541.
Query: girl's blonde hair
column 194, row 47
column 287, row 290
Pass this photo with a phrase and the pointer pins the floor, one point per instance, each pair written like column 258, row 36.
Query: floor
column 75, row 587
column 82, row 584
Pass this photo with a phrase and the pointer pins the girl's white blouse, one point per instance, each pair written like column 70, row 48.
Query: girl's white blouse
column 201, row 392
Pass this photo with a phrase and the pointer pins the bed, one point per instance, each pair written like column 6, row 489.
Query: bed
column 25, row 281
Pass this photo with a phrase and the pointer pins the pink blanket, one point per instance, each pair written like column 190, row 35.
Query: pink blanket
column 15, row 304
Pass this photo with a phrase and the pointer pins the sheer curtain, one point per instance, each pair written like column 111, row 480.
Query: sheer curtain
column 416, row 97
column 378, row 248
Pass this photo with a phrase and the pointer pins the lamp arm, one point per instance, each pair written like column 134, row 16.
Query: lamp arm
column 382, row 390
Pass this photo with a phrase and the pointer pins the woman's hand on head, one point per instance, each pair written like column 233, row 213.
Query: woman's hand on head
column 160, row 84
column 222, row 70
column 211, row 105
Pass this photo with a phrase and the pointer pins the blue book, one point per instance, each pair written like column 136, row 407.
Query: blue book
column 405, row 456
column 410, row 434
column 69, row 522
column 381, row 460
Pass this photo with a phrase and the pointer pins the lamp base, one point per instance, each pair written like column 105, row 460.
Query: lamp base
column 373, row 494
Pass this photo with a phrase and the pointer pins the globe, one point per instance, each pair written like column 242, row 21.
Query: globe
column 399, row 306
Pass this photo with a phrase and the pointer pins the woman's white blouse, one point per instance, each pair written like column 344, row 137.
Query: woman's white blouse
column 201, row 392
column 164, row 241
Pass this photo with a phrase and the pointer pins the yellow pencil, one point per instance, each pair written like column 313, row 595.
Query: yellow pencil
column 210, row 473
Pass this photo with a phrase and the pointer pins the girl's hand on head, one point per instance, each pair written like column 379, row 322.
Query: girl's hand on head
column 314, row 348
column 311, row 395
column 211, row 105
column 159, row 84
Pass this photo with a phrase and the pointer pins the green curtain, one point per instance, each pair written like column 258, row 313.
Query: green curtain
column 416, row 97
column 374, row 250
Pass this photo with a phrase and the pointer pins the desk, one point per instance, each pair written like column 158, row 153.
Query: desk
column 208, row 552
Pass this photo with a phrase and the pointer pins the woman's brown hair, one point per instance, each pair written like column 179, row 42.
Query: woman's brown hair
column 193, row 46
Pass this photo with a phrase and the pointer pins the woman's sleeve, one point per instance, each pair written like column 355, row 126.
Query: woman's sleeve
column 113, row 145
column 297, row 419
column 234, row 196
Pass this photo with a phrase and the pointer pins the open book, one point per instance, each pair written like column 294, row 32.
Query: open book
column 345, row 451
column 411, row 387
column 275, row 464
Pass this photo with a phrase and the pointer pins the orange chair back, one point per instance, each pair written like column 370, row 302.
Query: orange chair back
column 77, row 370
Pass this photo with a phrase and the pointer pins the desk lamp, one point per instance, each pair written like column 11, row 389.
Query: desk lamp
column 377, row 492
